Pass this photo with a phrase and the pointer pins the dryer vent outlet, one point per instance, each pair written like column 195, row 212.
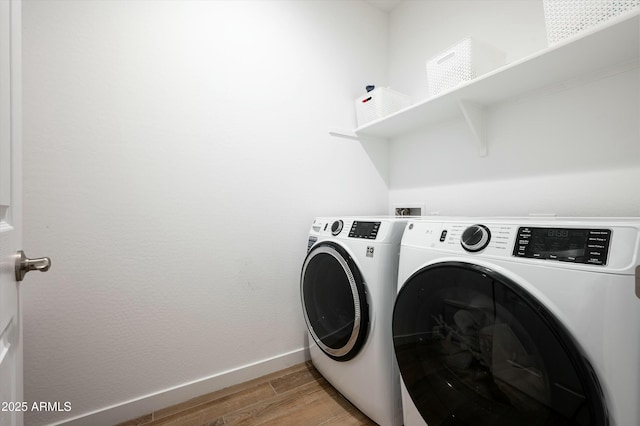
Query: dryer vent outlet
column 408, row 211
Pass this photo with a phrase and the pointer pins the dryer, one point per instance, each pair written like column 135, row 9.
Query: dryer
column 519, row 322
column 347, row 287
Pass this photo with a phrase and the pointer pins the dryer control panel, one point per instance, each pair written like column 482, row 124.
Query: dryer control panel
column 590, row 246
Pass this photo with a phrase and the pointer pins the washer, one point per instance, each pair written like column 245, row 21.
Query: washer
column 347, row 286
column 519, row 322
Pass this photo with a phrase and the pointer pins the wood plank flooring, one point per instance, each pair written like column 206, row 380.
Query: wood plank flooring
column 298, row 396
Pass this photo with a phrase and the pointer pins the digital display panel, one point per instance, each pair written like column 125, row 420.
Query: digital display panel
column 366, row 230
column 590, row 246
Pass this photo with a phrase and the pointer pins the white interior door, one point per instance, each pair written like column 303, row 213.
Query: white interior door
column 11, row 394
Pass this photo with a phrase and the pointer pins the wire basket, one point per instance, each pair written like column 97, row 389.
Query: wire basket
column 565, row 18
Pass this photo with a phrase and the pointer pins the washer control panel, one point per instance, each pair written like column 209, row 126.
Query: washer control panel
column 578, row 245
column 607, row 244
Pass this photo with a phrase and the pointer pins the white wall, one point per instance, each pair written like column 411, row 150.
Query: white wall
column 175, row 154
column 571, row 150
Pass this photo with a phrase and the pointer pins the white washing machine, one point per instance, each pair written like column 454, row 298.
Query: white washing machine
column 519, row 322
column 348, row 285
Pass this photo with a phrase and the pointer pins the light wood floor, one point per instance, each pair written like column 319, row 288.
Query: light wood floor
column 297, row 396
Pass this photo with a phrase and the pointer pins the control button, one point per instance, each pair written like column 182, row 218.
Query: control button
column 475, row 238
column 597, row 240
column 336, row 227
column 443, row 236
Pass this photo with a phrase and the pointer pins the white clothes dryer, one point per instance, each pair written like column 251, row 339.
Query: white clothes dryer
column 347, row 287
column 519, row 322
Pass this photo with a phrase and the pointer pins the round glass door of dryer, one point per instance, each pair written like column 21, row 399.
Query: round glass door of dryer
column 334, row 301
column 475, row 348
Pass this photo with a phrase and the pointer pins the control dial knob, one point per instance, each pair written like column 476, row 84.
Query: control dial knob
column 475, row 238
column 336, row 227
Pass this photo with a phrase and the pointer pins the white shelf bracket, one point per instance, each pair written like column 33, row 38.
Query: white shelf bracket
column 476, row 117
column 341, row 133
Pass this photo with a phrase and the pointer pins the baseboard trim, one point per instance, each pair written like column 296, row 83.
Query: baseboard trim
column 134, row 408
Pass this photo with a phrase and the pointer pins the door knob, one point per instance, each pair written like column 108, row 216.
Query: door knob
column 24, row 265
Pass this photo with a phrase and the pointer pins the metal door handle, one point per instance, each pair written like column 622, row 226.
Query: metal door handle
column 24, row 265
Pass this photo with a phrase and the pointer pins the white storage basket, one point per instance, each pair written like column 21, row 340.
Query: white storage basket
column 461, row 62
column 379, row 103
column 565, row 18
